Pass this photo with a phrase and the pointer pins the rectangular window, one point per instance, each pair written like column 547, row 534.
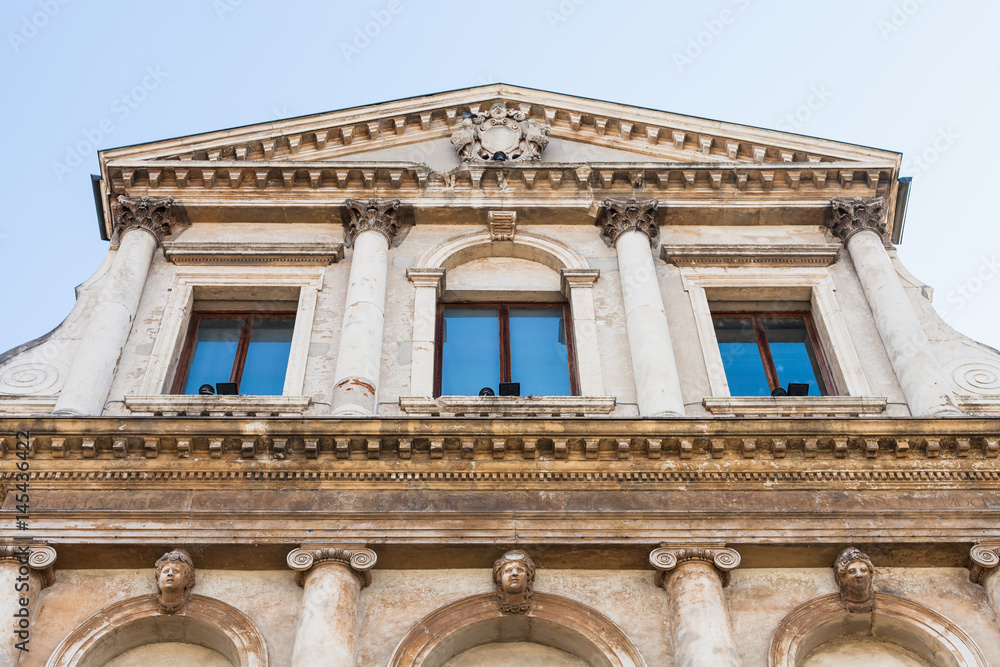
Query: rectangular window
column 250, row 349
column 482, row 346
column 762, row 352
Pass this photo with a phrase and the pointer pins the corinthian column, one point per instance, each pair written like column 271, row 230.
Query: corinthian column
column 630, row 226
column 24, row 572
column 329, row 619
column 699, row 620
column 140, row 223
column 860, row 224
column 359, row 359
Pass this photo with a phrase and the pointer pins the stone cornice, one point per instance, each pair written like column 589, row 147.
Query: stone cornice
column 277, row 253
column 668, row 557
column 747, row 254
column 361, row 561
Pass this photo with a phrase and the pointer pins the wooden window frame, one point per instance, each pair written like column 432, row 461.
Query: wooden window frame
column 503, row 315
column 242, row 346
column 764, row 347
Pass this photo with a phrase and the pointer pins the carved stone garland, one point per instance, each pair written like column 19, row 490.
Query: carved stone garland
column 359, row 560
column 623, row 215
column 852, row 215
column 149, row 213
column 502, row 135
column 376, row 214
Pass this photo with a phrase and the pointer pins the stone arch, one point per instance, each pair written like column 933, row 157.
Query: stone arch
column 525, row 245
column 126, row 625
column 552, row 621
column 895, row 620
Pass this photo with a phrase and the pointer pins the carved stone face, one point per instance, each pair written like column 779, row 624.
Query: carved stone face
column 857, row 579
column 174, row 577
column 514, row 578
column 498, row 111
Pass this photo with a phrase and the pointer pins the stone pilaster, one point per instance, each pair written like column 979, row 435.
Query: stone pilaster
column 859, row 223
column 329, row 619
column 983, row 571
column 630, row 226
column 359, row 360
column 428, row 285
column 24, row 572
column 693, row 577
column 93, row 369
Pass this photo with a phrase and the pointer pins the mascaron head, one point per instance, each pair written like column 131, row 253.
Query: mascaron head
column 513, row 576
column 174, row 579
column 854, row 572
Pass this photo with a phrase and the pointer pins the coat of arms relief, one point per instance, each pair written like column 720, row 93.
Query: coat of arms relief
column 501, row 135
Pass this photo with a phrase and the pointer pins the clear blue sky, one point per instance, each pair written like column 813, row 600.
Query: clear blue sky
column 916, row 76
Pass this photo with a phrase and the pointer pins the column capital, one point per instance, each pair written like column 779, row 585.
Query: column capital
column 360, row 560
column 985, row 557
column 375, row 214
column 856, row 214
column 624, row 215
column 427, row 278
column 152, row 214
column 39, row 558
column 668, row 557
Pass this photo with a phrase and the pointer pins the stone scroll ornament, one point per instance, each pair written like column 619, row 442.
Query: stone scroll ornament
column 174, row 581
column 625, row 215
column 667, row 558
column 854, row 573
column 856, row 214
column 502, row 135
column 359, row 560
column 375, row 214
column 149, row 213
column 514, row 578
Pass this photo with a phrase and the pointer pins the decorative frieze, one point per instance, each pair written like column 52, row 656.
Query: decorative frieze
column 174, row 581
column 856, row 214
column 854, row 572
column 624, row 215
column 149, row 213
column 375, row 214
column 667, row 558
column 361, row 561
column 513, row 579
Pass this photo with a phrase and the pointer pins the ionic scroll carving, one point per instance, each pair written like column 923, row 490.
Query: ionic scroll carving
column 39, row 558
column 985, row 557
column 856, row 214
column 667, row 558
column 624, row 215
column 359, row 560
column 152, row 214
column 375, row 214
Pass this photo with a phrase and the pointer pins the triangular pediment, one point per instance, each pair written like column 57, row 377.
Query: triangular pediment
column 581, row 130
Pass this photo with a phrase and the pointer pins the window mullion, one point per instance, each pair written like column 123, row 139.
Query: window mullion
column 503, row 320
column 241, row 351
column 765, row 353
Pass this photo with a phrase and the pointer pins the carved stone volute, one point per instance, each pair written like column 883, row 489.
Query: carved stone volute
column 624, row 215
column 857, row 214
column 375, row 214
column 174, row 581
column 359, row 560
column 985, row 558
column 152, row 214
column 667, row 558
column 514, row 578
column 854, row 573
column 501, row 135
column 38, row 557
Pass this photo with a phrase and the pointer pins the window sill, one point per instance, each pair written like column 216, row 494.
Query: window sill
column 508, row 406
column 799, row 406
column 217, row 406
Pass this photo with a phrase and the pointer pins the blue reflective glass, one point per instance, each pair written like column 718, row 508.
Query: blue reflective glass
column 792, row 353
column 538, row 353
column 214, row 352
column 470, row 351
column 741, row 357
column 267, row 357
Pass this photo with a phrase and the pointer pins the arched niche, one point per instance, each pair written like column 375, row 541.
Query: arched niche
column 576, row 281
column 895, row 621
column 553, row 621
column 138, row 621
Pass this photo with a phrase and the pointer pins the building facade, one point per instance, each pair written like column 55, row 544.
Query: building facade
column 500, row 376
